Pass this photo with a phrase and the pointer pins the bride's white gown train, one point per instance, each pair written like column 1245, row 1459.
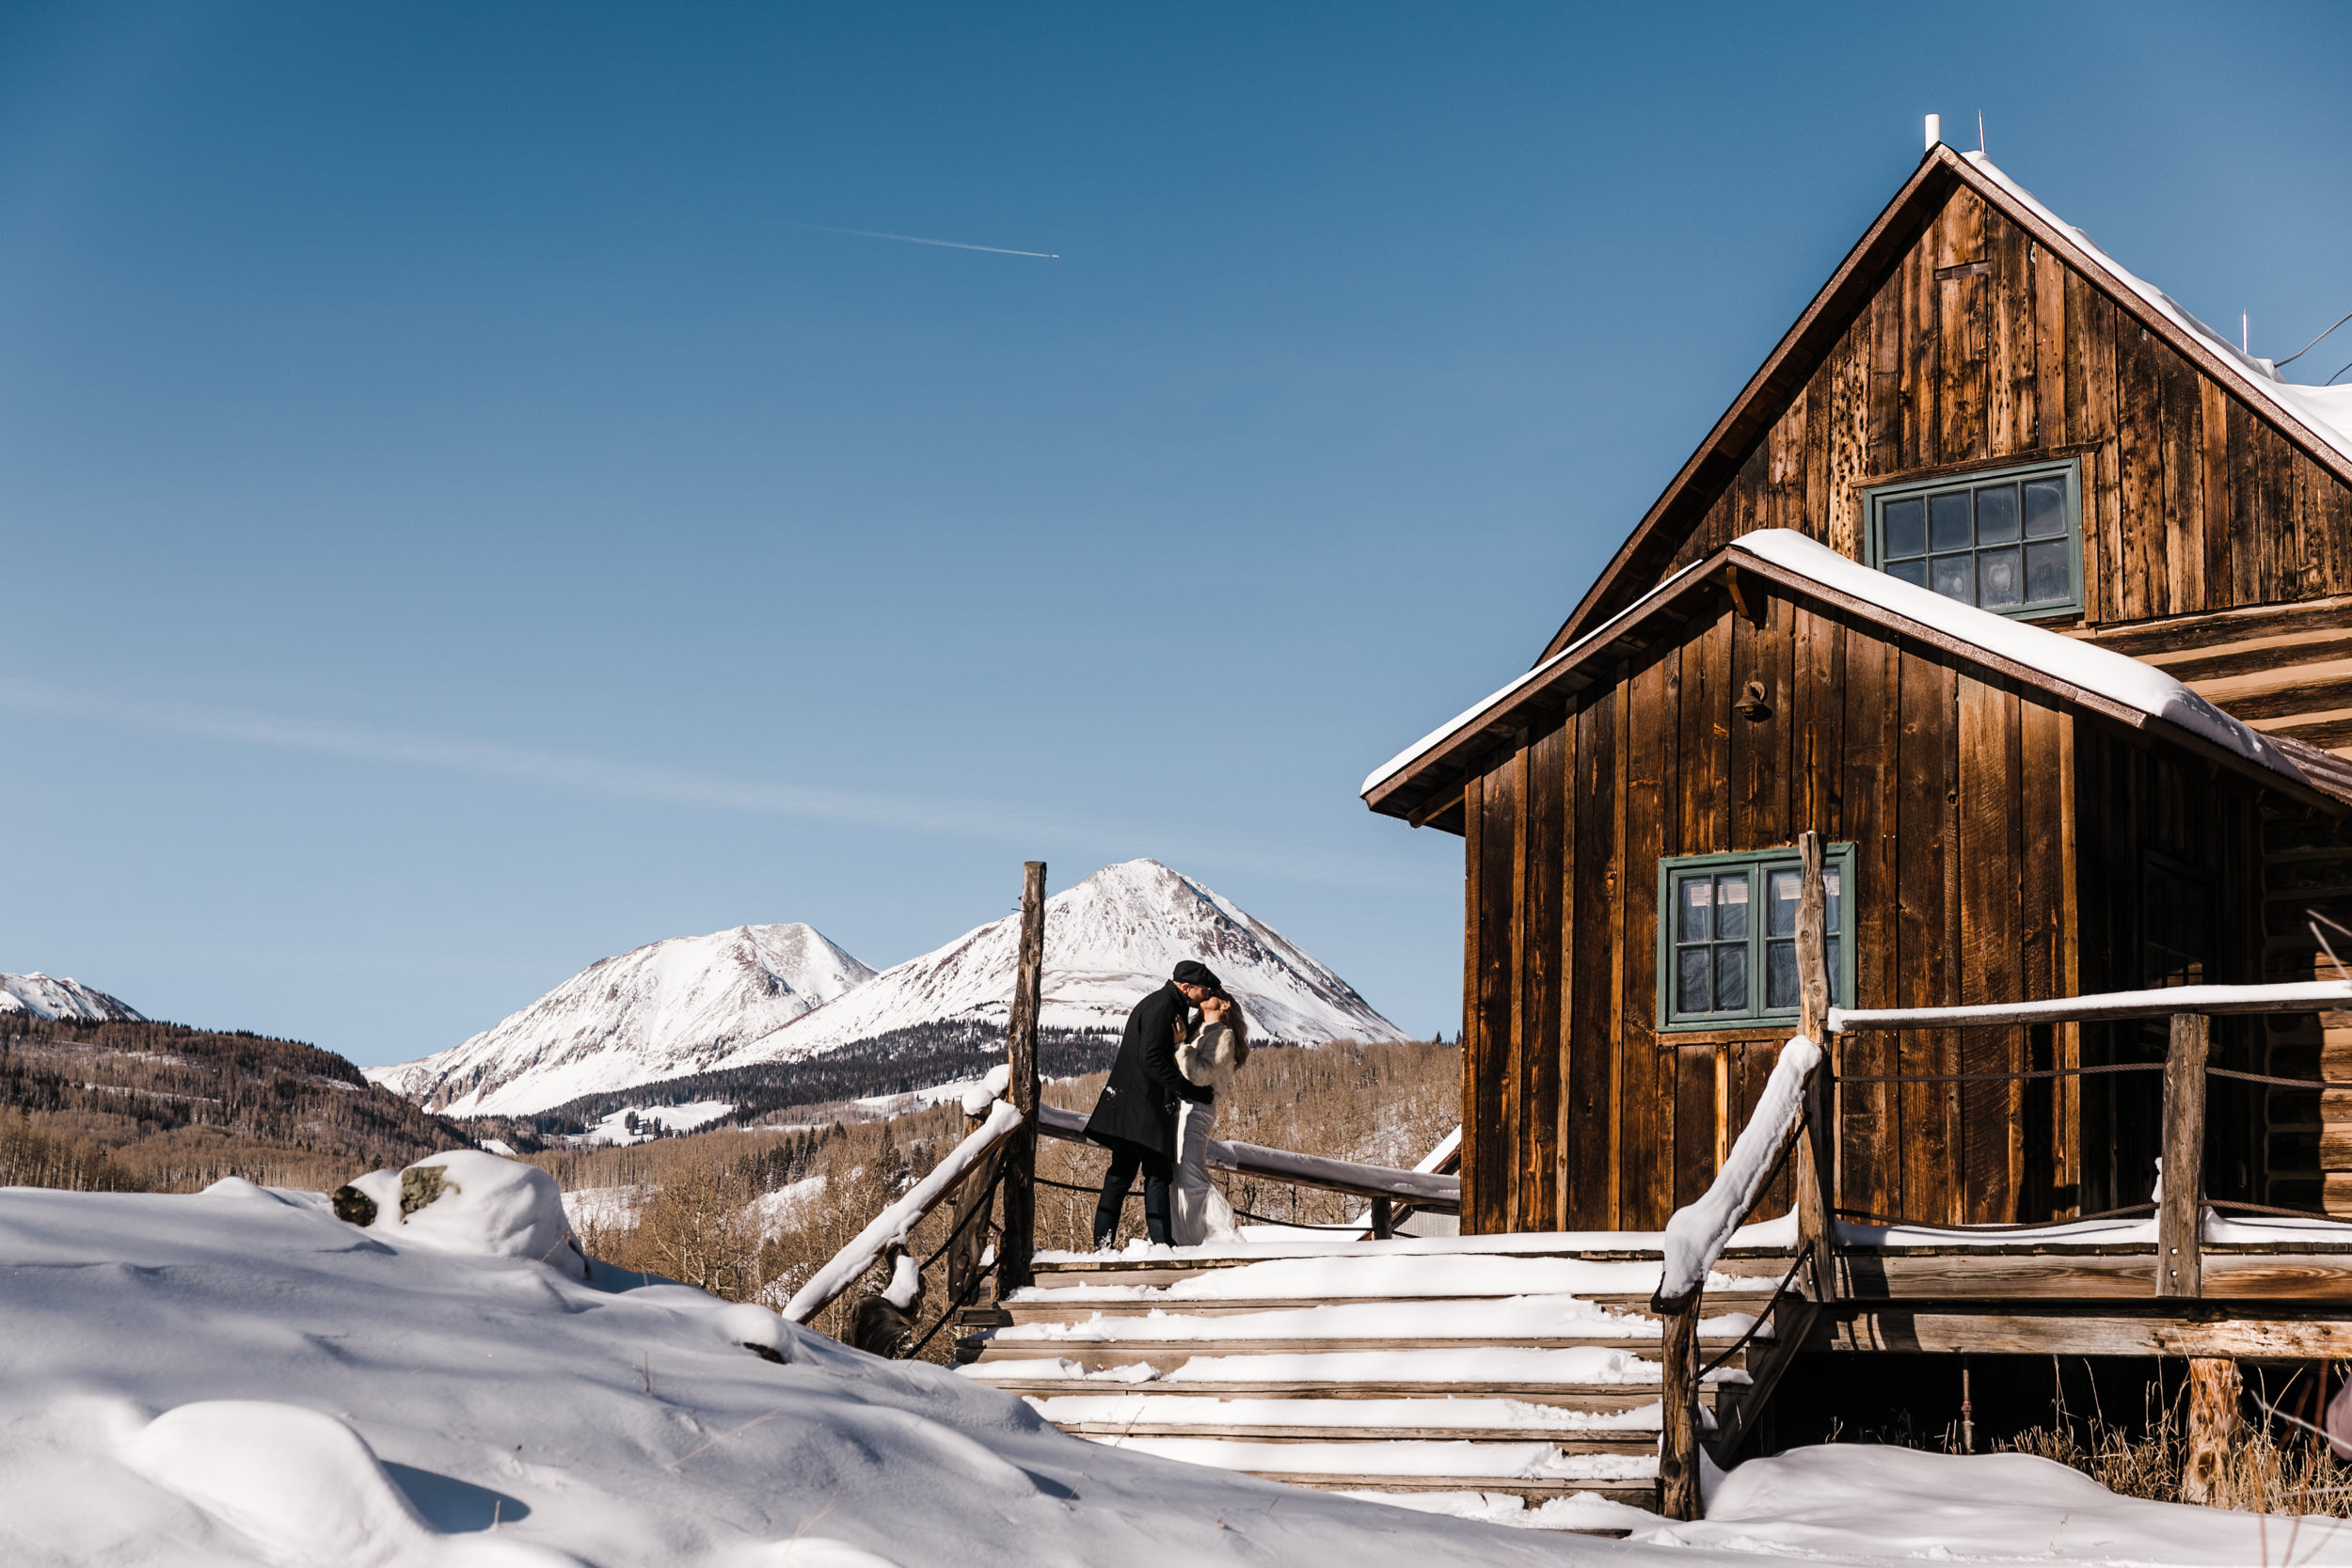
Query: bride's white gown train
column 1197, row 1213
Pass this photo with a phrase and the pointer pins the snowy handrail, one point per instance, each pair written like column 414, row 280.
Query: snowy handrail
column 894, row 1225
column 1697, row 1232
column 1422, row 1189
column 2290, row 996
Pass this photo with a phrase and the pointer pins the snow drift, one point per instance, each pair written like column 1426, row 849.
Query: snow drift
column 239, row 1377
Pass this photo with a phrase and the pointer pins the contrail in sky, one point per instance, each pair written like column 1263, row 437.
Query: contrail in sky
column 917, row 239
column 572, row 772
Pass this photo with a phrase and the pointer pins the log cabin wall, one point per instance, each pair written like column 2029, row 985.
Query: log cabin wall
column 1959, row 791
column 1984, row 347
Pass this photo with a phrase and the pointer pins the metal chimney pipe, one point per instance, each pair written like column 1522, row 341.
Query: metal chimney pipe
column 1935, row 131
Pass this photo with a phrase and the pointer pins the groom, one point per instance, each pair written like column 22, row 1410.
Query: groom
column 1136, row 1118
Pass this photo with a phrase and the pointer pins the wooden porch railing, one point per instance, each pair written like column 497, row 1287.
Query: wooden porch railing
column 999, row 1154
column 1697, row 1234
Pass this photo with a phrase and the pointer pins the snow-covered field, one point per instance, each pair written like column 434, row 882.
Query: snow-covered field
column 239, row 1377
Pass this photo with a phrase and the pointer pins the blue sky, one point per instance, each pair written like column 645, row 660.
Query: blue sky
column 465, row 515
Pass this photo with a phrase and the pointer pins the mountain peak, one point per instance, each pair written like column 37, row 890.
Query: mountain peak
column 43, row 996
column 658, row 1011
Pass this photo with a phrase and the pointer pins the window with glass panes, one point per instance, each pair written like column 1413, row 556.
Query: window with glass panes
column 2009, row 540
column 1727, row 936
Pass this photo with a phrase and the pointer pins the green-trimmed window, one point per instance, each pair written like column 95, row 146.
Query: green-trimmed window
column 2008, row 540
column 1728, row 937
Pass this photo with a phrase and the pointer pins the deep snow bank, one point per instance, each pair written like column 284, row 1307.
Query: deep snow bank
column 238, row 1377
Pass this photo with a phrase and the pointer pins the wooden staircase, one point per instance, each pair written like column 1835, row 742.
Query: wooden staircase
column 1499, row 1373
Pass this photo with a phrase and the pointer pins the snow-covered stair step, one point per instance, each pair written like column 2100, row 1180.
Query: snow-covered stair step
column 1592, row 1377
column 1363, row 1276
column 1525, row 1470
column 1444, row 1419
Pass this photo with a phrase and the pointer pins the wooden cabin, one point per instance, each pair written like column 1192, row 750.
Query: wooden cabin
column 2033, row 595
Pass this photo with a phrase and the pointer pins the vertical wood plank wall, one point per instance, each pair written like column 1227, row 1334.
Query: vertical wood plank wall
column 1580, row 1115
column 2191, row 502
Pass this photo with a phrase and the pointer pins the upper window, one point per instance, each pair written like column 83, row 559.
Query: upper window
column 1728, row 937
column 2009, row 540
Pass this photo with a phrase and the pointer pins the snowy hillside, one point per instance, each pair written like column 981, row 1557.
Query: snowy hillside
column 662, row 1011
column 237, row 1377
column 42, row 997
column 1108, row 941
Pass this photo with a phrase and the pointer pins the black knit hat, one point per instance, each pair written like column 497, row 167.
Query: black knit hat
column 1192, row 972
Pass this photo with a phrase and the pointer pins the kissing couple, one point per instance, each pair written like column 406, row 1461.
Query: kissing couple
column 1159, row 1105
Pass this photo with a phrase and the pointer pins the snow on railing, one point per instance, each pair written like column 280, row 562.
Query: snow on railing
column 1697, row 1232
column 894, row 1225
column 2286, row 997
column 1423, row 1189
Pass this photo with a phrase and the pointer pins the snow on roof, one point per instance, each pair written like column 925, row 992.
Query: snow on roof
column 2085, row 665
column 2325, row 411
column 1462, row 721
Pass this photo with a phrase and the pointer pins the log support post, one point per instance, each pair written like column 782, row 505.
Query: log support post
column 1678, row 1414
column 1383, row 1219
column 2180, row 1211
column 1015, row 1253
column 2213, row 1385
column 1816, row 1203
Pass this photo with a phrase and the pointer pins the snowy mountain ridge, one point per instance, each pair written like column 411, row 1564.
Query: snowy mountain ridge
column 43, row 996
column 663, row 1010
column 739, row 998
column 1109, row 940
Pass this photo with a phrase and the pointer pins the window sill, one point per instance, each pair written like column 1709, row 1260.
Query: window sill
column 1745, row 1034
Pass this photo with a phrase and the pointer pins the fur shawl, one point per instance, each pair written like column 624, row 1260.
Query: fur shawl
column 1212, row 1057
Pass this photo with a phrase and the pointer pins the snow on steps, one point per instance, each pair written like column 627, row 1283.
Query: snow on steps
column 1481, row 1372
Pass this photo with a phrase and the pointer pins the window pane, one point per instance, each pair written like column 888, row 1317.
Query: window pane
column 2046, row 573
column 1996, row 578
column 1997, row 514
column 1780, row 975
column 1780, row 913
column 1690, row 980
column 1903, row 527
column 1731, row 978
column 1695, row 903
column 1954, row 576
column 1832, row 900
column 1913, row 572
column 1949, row 527
column 1837, row 986
column 1731, row 907
column 2045, row 509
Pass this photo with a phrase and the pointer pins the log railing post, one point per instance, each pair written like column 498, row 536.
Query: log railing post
column 1019, row 1243
column 970, row 1230
column 2180, row 1213
column 1816, row 1205
column 1678, row 1414
column 1383, row 1219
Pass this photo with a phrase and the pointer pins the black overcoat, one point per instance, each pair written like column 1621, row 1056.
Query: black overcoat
column 1138, row 1104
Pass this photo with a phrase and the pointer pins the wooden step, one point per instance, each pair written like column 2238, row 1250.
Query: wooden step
column 1639, row 1494
column 1079, row 1309
column 1567, row 1442
column 1566, row 1396
column 1165, row 1355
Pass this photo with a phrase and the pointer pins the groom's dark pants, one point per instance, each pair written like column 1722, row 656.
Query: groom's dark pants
column 1126, row 1159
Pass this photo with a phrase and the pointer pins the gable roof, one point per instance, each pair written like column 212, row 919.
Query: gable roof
column 2080, row 675
column 2316, row 419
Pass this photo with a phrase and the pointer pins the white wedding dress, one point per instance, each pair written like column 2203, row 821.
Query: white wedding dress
column 1197, row 1213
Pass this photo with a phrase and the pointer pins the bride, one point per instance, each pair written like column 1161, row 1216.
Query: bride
column 1198, row 1210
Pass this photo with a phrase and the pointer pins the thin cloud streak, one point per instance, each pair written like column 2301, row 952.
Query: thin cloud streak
column 917, row 239
column 636, row 781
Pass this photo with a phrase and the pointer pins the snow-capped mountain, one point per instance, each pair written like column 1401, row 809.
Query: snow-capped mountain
column 43, row 997
column 662, row 1011
column 1109, row 940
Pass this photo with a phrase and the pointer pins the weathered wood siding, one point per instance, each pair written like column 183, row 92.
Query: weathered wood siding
column 2192, row 503
column 1961, row 794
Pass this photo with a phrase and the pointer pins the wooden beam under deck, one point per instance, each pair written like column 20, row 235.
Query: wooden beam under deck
column 2051, row 1330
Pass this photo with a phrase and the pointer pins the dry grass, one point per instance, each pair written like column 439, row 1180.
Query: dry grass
column 697, row 1216
column 2261, row 1472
